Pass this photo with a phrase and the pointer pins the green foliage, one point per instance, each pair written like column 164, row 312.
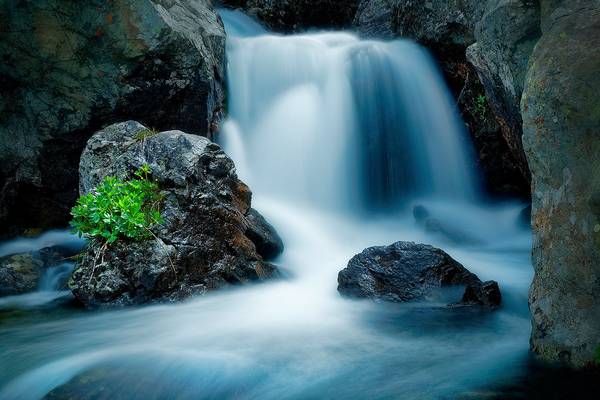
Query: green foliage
column 480, row 106
column 119, row 209
column 145, row 133
column 597, row 355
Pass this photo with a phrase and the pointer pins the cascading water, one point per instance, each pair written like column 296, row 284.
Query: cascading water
column 52, row 282
column 343, row 122
column 326, row 129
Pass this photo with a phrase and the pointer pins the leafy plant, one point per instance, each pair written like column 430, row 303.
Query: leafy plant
column 480, row 106
column 119, row 209
column 145, row 133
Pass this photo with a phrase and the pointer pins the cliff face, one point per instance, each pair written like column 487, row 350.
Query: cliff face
column 561, row 124
column 69, row 68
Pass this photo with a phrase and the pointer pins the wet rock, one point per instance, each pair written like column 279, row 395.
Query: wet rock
column 437, row 22
column 405, row 271
column 19, row 273
column 202, row 244
column 561, row 116
column 506, row 35
column 299, row 15
column 266, row 239
column 68, row 68
column 433, row 225
column 484, row 294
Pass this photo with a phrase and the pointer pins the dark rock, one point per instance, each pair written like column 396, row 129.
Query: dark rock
column 19, row 273
column 202, row 244
column 68, row 68
column 268, row 243
column 561, row 120
column 406, row 271
column 299, row 15
column 505, row 37
column 434, row 225
column 484, row 294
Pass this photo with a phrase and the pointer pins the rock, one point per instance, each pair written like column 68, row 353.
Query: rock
column 19, row 273
column 406, row 271
column 266, row 239
column 485, row 294
column 434, row 225
column 202, row 244
column 69, row 68
column 561, row 118
column 506, row 35
column 299, row 15
column 437, row 22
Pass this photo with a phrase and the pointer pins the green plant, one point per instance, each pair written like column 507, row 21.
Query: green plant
column 145, row 133
column 119, row 209
column 480, row 106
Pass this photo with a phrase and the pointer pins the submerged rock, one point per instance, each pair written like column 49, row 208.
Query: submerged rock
column 406, row 271
column 70, row 67
column 433, row 225
column 202, row 244
column 19, row 273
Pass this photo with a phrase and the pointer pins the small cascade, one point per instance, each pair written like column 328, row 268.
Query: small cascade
column 55, row 277
column 357, row 124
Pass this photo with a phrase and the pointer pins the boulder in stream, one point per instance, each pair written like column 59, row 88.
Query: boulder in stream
column 406, row 271
column 19, row 273
column 203, row 242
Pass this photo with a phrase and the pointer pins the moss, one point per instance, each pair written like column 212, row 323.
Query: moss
column 144, row 134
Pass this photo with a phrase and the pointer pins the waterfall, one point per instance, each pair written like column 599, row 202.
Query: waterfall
column 337, row 137
column 334, row 121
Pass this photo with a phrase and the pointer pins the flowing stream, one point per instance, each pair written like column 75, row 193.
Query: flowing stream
column 339, row 138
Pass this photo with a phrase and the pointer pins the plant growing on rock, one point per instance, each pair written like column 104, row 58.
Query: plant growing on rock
column 119, row 209
column 480, row 106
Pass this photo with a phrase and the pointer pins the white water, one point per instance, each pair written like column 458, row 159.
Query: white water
column 321, row 154
column 52, row 282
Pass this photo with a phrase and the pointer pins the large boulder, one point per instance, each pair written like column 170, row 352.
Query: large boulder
column 201, row 245
column 70, row 67
column 561, row 122
column 406, row 271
